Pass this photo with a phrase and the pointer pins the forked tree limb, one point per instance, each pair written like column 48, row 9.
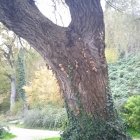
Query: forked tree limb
column 24, row 18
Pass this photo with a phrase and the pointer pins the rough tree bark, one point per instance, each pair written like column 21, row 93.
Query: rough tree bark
column 76, row 55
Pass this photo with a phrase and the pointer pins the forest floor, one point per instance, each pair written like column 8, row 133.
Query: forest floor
column 32, row 134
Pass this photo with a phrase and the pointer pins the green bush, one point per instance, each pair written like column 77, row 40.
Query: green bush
column 4, row 103
column 131, row 112
column 18, row 108
column 58, row 138
column 134, row 133
column 4, row 134
column 124, row 79
column 50, row 118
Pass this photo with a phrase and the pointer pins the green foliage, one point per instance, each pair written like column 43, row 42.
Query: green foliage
column 21, row 74
column 122, row 33
column 124, row 78
column 7, row 58
column 4, row 134
column 124, row 81
column 4, row 84
column 43, row 89
column 18, row 108
column 58, row 138
column 8, row 136
column 134, row 133
column 33, row 62
column 4, row 103
column 86, row 127
column 131, row 112
column 111, row 55
column 50, row 118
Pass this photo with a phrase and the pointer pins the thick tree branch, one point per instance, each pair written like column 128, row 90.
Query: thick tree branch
column 85, row 14
column 24, row 18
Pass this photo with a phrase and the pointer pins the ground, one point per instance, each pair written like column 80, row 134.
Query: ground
column 32, row 134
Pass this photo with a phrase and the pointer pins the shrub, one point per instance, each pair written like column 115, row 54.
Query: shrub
column 50, row 118
column 124, row 79
column 43, row 89
column 58, row 138
column 4, row 103
column 111, row 55
column 131, row 112
column 4, row 134
column 18, row 108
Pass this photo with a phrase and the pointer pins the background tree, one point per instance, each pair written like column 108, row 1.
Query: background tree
column 21, row 78
column 43, row 89
column 12, row 57
column 122, row 28
column 8, row 51
column 123, row 41
column 21, row 81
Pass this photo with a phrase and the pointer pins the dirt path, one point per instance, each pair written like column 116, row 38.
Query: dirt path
column 32, row 134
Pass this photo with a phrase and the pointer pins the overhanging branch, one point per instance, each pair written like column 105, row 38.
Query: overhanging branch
column 24, row 18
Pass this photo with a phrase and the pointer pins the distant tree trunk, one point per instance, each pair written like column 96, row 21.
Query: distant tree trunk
column 13, row 93
column 21, row 79
column 21, row 75
column 76, row 55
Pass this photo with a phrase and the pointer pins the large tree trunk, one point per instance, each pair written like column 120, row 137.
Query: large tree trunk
column 76, row 55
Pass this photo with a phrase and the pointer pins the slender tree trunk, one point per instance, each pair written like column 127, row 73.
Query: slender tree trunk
column 13, row 93
column 21, row 79
column 76, row 55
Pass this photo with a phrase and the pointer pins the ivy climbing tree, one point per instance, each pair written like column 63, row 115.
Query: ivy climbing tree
column 21, row 81
column 76, row 55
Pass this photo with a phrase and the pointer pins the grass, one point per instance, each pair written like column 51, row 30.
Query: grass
column 134, row 133
column 57, row 138
column 7, row 136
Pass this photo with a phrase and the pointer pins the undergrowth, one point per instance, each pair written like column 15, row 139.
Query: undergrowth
column 58, row 138
column 49, row 118
column 4, row 134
